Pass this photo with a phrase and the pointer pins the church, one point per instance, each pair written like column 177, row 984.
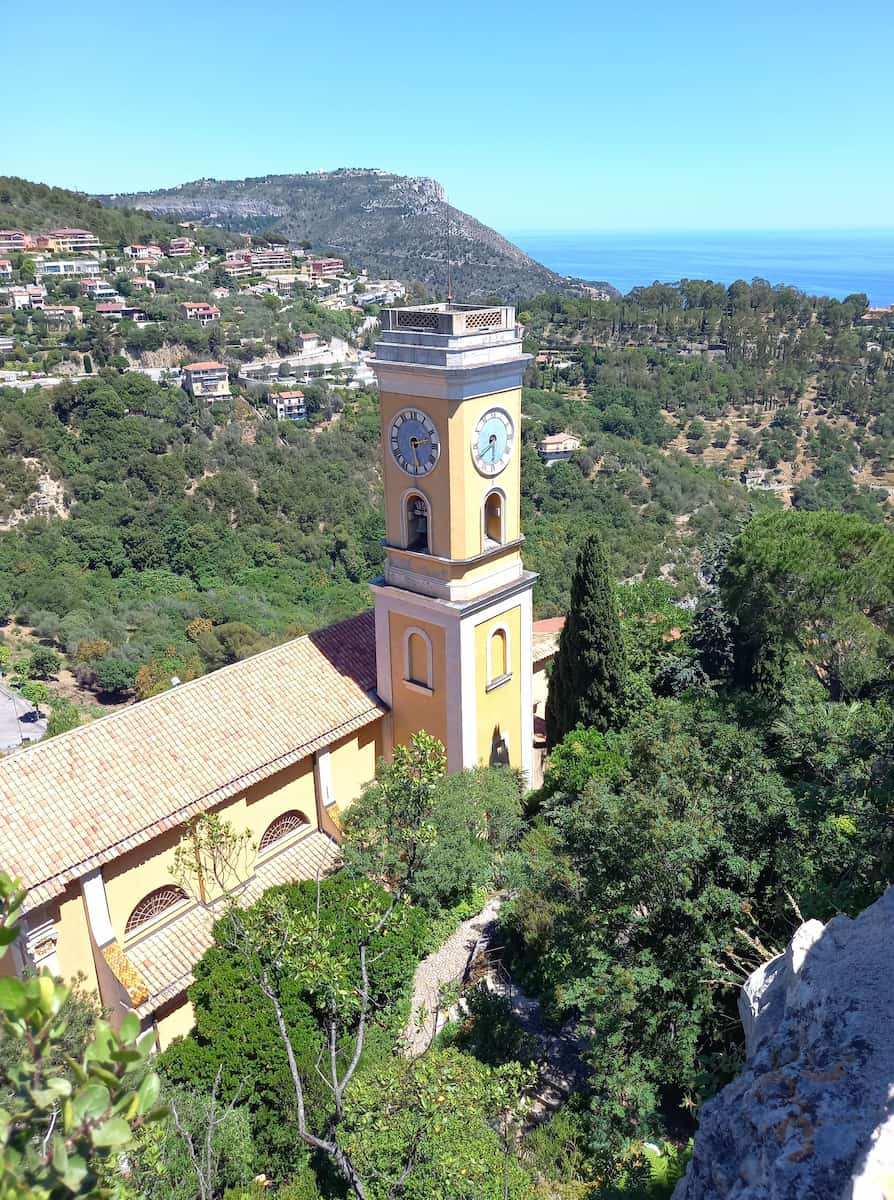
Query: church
column 282, row 742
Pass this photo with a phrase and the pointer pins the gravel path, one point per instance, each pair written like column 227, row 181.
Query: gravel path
column 446, row 965
column 558, row 1052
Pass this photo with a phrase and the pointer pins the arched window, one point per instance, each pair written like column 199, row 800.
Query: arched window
column 153, row 906
column 498, row 660
column 417, row 523
column 417, row 658
column 282, row 827
column 493, row 519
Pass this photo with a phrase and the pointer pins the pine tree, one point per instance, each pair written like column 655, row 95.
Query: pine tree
column 587, row 681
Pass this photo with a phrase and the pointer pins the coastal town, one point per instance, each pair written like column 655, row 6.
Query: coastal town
column 258, row 320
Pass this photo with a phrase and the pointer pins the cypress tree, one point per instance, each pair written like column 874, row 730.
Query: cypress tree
column 587, row 680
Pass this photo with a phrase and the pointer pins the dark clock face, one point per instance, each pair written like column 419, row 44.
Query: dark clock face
column 414, row 441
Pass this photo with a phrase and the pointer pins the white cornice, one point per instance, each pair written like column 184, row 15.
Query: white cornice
column 450, row 383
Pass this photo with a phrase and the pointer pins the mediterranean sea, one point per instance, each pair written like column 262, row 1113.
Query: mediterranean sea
column 835, row 263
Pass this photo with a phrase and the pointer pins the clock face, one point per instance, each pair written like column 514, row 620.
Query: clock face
column 414, row 440
column 492, row 441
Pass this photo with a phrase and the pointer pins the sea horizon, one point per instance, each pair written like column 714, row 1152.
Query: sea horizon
column 832, row 262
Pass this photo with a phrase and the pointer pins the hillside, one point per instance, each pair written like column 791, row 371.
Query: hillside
column 37, row 207
column 791, row 394
column 396, row 226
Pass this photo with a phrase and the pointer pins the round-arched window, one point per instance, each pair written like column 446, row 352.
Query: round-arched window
column 154, row 905
column 282, row 827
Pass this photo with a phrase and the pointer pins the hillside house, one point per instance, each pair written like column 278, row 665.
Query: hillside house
column 557, row 447
column 5, row 268
column 31, row 296
column 206, row 380
column 180, row 247
column 288, row 406
column 201, row 311
column 144, row 254
column 63, row 314
column 99, row 289
column 71, row 268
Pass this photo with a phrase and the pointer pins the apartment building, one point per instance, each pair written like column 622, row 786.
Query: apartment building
column 238, row 262
column 288, row 406
column 200, row 311
column 70, row 241
column 325, row 268
column 269, row 259
column 206, row 380
column 14, row 239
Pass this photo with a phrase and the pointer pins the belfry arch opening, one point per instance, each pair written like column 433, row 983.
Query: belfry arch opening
column 493, row 519
column 417, row 523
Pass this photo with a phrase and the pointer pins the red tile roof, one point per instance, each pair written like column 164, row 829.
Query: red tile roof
column 70, row 804
column 202, row 366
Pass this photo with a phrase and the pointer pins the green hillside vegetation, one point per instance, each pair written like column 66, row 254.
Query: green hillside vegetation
column 37, row 207
column 799, row 389
column 192, row 537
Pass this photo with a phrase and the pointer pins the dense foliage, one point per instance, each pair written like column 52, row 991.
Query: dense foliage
column 236, row 1031
column 587, row 681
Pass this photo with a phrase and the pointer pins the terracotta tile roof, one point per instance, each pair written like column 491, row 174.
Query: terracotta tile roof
column 81, row 799
column 164, row 958
column 202, row 366
column 545, row 640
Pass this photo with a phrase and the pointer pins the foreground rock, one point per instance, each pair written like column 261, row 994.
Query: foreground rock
column 811, row 1117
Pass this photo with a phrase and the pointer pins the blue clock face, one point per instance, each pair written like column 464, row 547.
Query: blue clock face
column 415, row 445
column 492, row 441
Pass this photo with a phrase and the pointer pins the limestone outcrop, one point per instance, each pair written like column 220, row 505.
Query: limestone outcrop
column 811, row 1116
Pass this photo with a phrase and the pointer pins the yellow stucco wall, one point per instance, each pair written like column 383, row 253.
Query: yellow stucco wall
column 73, row 948
column 352, row 762
column 176, row 1022
column 455, row 489
column 133, row 875
column 500, row 708
column 412, row 710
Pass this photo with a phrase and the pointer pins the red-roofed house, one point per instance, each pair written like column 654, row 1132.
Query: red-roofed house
column 207, row 380
column 200, row 311
column 5, row 268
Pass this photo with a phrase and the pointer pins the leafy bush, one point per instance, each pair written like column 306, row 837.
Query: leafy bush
column 235, row 1024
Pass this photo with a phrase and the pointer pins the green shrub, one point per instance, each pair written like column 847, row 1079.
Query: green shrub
column 235, row 1024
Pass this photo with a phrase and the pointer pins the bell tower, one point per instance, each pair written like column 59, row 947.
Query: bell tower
column 453, row 609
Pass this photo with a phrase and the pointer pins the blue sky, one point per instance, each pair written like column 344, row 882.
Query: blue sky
column 652, row 115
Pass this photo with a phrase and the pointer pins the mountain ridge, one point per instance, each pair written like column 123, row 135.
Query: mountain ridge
column 396, row 225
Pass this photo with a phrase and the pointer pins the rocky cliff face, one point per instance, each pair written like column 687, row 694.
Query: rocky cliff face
column 397, row 225
column 811, row 1117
